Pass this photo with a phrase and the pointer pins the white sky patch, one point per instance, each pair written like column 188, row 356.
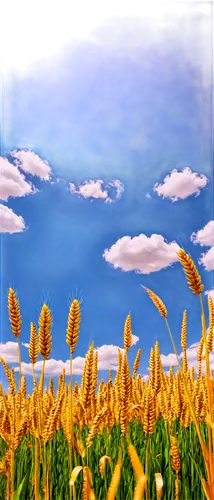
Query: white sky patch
column 205, row 236
column 210, row 293
column 25, row 344
column 107, row 358
column 180, row 185
column 148, row 196
column 10, row 222
column 31, row 163
column 95, row 189
column 207, row 259
column 13, row 182
column 142, row 254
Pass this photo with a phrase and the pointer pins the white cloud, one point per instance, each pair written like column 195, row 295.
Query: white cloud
column 25, row 344
column 148, row 196
column 142, row 254
column 207, row 259
column 210, row 293
column 10, row 222
column 107, row 358
column 94, row 189
column 31, row 163
column 118, row 186
column 135, row 339
column 13, row 182
column 170, row 359
column 9, row 351
column 179, row 185
column 205, row 236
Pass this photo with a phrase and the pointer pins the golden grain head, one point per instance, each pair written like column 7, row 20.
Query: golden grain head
column 157, row 302
column 45, row 341
column 73, row 327
column 191, row 272
column 14, row 313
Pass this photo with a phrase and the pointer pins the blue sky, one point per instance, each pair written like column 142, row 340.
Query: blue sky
column 129, row 103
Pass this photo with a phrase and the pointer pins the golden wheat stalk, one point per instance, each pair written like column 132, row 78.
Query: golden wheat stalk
column 15, row 321
column 157, row 302
column 191, row 272
column 115, row 480
column 73, row 325
column 45, row 340
column 127, row 335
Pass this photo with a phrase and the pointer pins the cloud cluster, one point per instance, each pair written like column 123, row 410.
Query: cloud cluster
column 107, row 358
column 13, row 184
column 142, row 254
column 170, row 359
column 94, row 189
column 179, row 185
column 205, row 237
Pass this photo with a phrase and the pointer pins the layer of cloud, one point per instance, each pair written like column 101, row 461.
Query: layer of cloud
column 210, row 293
column 179, row 185
column 94, row 189
column 13, row 183
column 107, row 359
column 142, row 254
column 170, row 359
column 207, row 259
column 31, row 163
column 205, row 236
column 10, row 222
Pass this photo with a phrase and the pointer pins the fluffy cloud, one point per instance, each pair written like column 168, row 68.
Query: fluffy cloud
column 170, row 359
column 13, row 182
column 31, row 163
column 179, row 185
column 107, row 358
column 9, row 351
column 94, row 189
column 10, row 222
column 207, row 259
column 142, row 253
column 205, row 236
column 210, row 293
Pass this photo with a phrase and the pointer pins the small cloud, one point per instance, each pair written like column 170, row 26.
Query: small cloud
column 135, row 339
column 25, row 345
column 10, row 222
column 142, row 254
column 94, row 189
column 207, row 259
column 180, row 185
column 169, row 360
column 148, row 196
column 13, row 183
column 31, row 163
column 118, row 186
column 210, row 293
column 205, row 236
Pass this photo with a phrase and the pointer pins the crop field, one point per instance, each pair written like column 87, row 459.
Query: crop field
column 124, row 439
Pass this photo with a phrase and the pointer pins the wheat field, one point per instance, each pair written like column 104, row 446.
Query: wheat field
column 124, row 439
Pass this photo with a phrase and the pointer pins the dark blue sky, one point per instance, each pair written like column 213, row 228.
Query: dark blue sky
column 132, row 106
